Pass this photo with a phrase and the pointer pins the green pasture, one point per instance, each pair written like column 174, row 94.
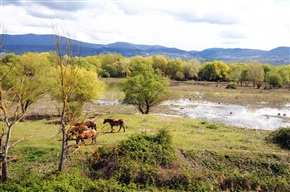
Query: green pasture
column 208, row 154
column 39, row 142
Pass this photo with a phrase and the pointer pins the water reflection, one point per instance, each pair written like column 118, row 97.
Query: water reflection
column 235, row 115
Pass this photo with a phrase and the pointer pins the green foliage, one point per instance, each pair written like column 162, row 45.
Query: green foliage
column 83, row 86
column 239, row 171
column 160, row 62
column 105, row 74
column 255, row 72
column 214, row 71
column 136, row 160
column 174, row 68
column 235, row 72
column 274, row 79
column 25, row 75
column 111, row 69
column 191, row 69
column 212, row 126
column 144, row 88
column 281, row 137
column 232, row 85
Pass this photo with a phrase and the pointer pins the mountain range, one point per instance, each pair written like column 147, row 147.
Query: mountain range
column 20, row 44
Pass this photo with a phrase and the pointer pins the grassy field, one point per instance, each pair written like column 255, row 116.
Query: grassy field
column 205, row 150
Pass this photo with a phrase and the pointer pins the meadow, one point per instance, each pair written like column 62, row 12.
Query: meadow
column 207, row 156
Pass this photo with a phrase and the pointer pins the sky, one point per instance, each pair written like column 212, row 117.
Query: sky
column 183, row 24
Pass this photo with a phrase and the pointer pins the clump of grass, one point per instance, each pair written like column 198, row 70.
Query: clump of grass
column 281, row 137
column 212, row 126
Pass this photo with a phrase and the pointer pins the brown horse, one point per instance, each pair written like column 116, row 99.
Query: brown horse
column 92, row 133
column 75, row 130
column 114, row 122
column 89, row 124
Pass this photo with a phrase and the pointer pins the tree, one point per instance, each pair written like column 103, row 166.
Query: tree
column 214, row 71
column 83, row 63
column 139, row 64
column 68, row 88
column 274, row 79
column 96, row 62
column 173, row 67
column 235, row 72
column 86, row 87
column 10, row 119
column 145, row 88
column 191, row 69
column 9, row 104
column 111, row 69
column 284, row 72
column 29, row 71
column 255, row 73
column 123, row 66
column 160, row 62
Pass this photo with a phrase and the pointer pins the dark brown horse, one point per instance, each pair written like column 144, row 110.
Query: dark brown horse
column 114, row 122
column 75, row 130
column 92, row 133
column 89, row 124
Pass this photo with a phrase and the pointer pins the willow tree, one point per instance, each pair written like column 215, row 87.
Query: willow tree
column 10, row 118
column 214, row 71
column 71, row 85
column 145, row 88
column 20, row 77
column 25, row 77
column 255, row 73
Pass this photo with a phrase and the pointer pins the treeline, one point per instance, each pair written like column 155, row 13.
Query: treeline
column 115, row 65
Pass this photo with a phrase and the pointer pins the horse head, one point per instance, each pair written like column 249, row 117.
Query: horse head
column 105, row 121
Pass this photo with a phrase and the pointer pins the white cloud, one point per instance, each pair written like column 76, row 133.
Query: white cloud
column 184, row 24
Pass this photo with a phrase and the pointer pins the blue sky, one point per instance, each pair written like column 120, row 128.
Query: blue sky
column 184, row 24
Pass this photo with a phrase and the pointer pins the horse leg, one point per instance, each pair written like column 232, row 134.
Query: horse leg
column 112, row 128
column 124, row 128
column 94, row 139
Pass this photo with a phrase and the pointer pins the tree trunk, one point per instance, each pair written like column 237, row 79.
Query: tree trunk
column 64, row 141
column 4, row 174
column 140, row 108
column 147, row 109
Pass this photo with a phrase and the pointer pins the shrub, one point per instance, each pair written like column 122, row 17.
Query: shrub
column 281, row 137
column 232, row 85
column 136, row 160
column 105, row 74
column 212, row 126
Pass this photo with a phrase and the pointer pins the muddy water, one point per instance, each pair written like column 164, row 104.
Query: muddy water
column 260, row 117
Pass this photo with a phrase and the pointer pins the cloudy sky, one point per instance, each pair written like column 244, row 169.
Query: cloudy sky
column 184, row 24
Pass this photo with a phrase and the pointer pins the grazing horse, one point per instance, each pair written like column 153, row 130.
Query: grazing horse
column 89, row 124
column 114, row 122
column 75, row 130
column 92, row 133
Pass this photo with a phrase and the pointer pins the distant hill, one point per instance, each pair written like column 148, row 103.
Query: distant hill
column 20, row 44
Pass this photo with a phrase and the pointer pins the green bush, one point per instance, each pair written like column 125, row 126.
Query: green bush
column 281, row 137
column 136, row 160
column 212, row 126
column 232, row 85
column 105, row 74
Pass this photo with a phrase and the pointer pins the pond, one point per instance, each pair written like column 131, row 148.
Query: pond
column 261, row 117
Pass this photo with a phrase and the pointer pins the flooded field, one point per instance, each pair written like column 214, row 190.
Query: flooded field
column 230, row 114
column 256, row 117
column 245, row 107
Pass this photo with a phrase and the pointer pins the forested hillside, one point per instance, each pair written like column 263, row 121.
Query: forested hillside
column 21, row 44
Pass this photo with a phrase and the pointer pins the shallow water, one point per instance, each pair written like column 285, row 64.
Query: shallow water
column 236, row 115
column 249, row 116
